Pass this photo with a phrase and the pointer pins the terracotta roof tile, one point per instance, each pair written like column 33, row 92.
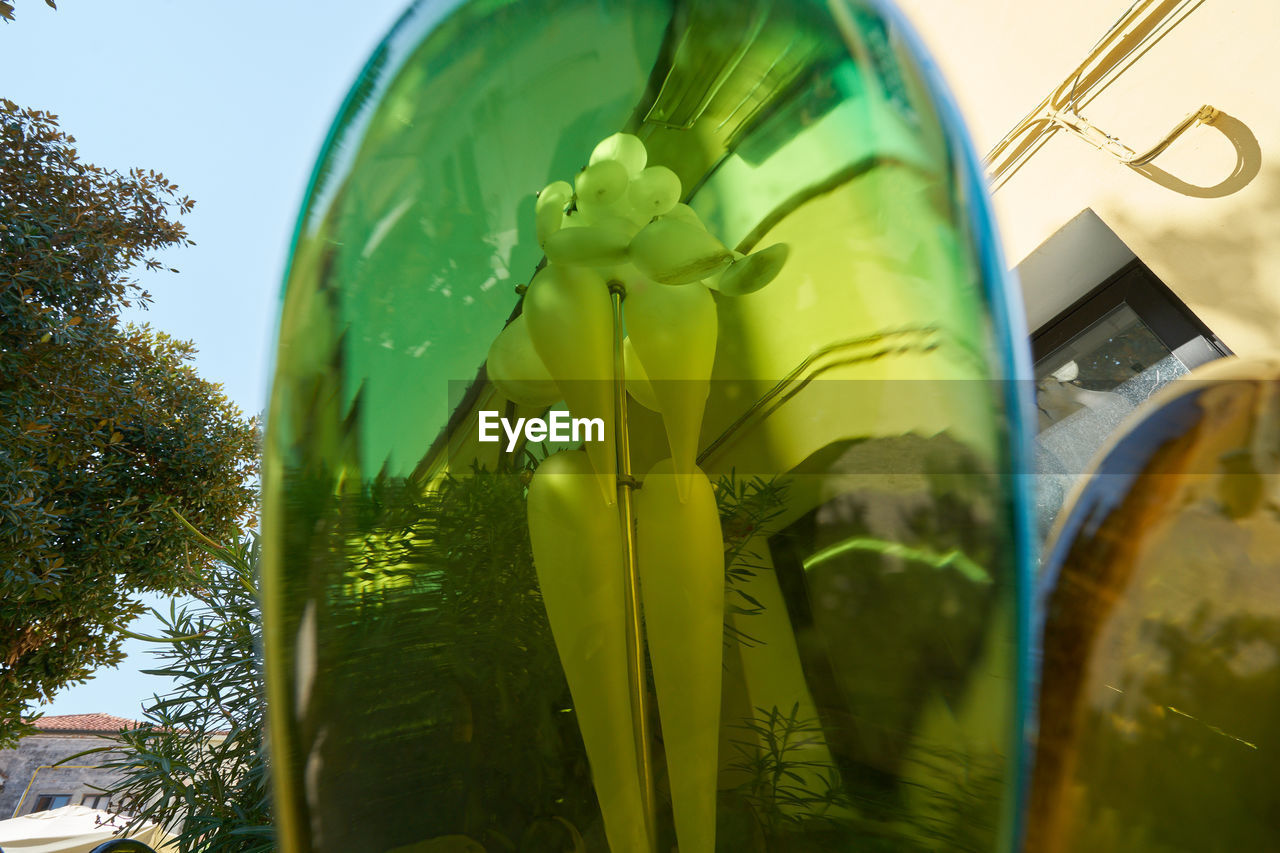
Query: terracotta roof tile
column 84, row 723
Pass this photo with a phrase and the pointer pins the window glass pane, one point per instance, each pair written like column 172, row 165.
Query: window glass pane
column 51, row 801
column 1085, row 389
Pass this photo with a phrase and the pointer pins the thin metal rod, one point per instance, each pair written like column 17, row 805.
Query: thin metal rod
column 1144, row 24
column 636, row 672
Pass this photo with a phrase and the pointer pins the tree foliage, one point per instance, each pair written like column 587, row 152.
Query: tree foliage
column 105, row 428
column 6, row 8
column 197, row 766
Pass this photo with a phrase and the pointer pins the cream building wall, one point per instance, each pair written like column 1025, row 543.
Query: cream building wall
column 1206, row 216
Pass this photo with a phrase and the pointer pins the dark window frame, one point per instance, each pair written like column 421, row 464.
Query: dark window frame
column 1165, row 314
column 44, row 802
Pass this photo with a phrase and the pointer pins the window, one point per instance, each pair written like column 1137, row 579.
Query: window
column 1097, row 361
column 45, row 802
column 96, row 801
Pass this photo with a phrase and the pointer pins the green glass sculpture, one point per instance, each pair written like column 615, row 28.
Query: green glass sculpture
column 766, row 589
column 1160, row 704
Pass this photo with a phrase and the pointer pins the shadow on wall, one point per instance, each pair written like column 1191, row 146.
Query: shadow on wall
column 1248, row 163
column 1225, row 265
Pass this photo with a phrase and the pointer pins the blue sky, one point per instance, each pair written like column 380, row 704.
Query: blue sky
column 231, row 102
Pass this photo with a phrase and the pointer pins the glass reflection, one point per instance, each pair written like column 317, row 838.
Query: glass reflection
column 1161, row 679
column 1084, row 390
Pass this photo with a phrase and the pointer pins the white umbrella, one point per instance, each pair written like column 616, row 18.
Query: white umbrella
column 71, row 829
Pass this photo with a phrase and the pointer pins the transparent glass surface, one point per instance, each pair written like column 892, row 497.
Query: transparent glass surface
column 1160, row 699
column 1084, row 391
column 859, row 433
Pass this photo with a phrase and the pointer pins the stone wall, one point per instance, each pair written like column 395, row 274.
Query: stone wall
column 32, row 757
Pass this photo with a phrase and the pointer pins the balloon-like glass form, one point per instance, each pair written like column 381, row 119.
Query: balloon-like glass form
column 1160, row 703
column 768, row 593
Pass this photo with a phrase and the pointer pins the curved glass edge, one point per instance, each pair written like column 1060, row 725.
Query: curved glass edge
column 430, row 14
column 1106, row 461
column 1009, row 330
